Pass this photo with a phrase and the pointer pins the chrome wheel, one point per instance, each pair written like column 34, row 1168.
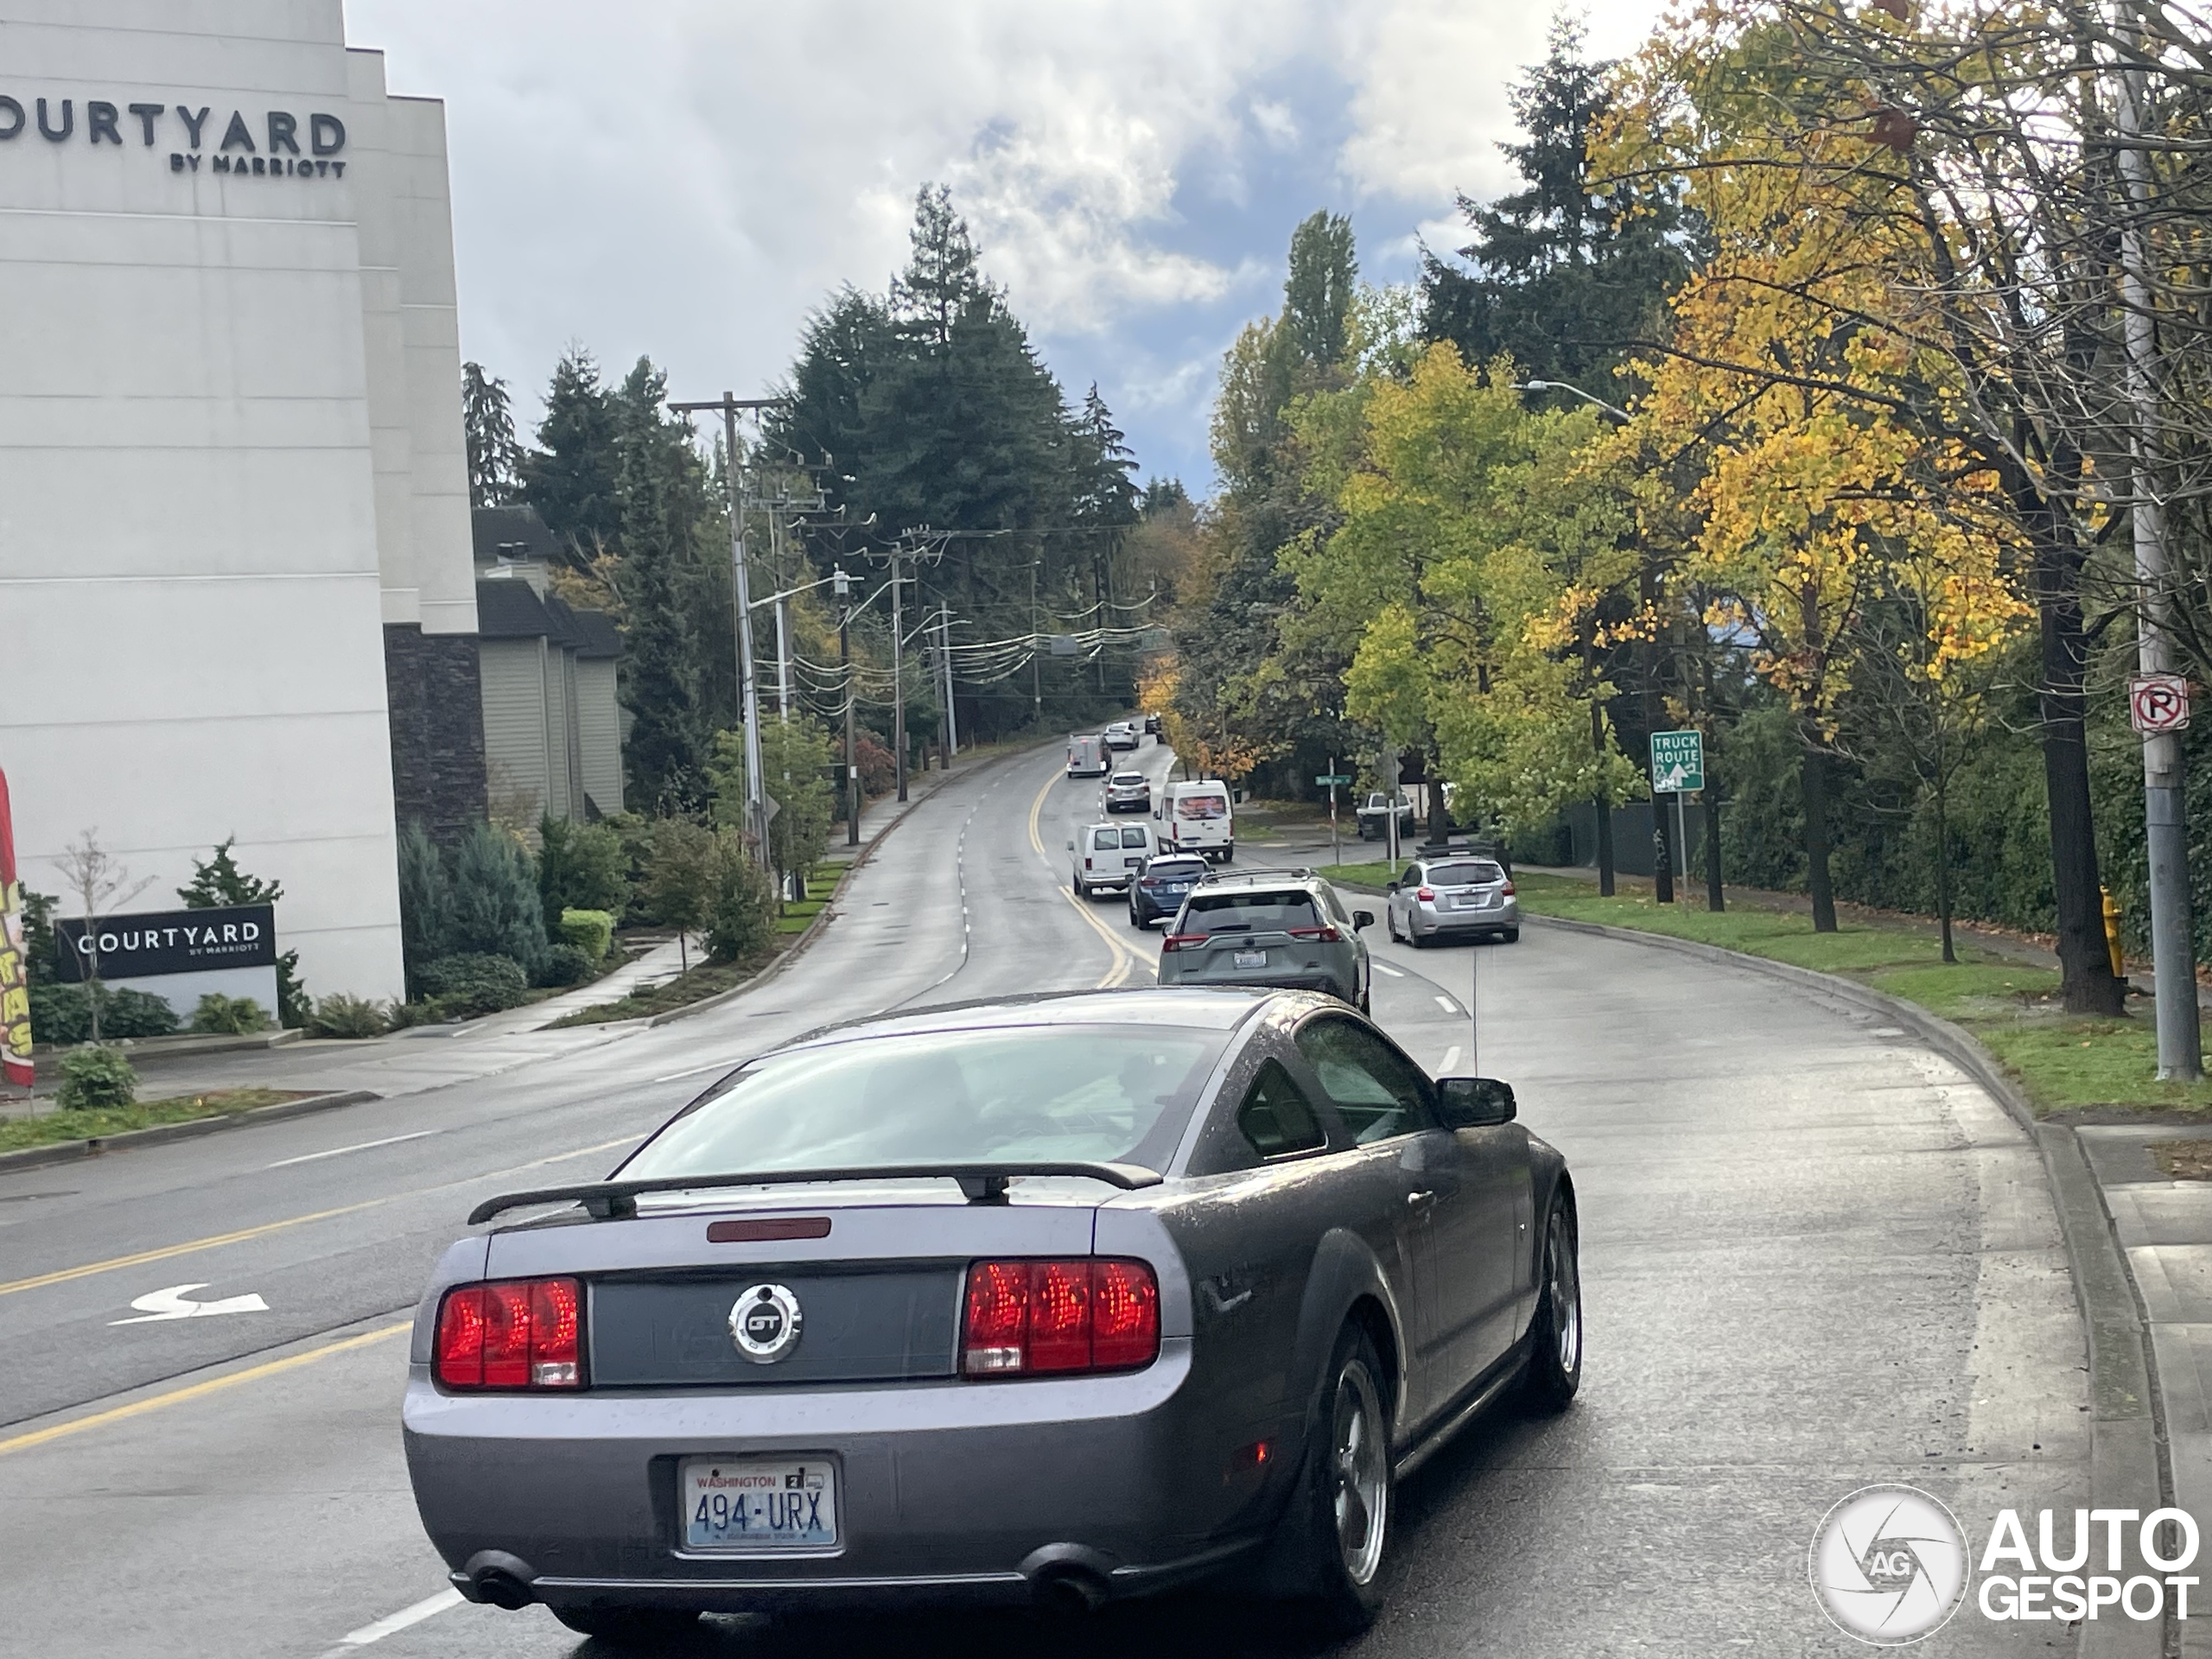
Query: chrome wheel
column 1564, row 1291
column 1362, row 1474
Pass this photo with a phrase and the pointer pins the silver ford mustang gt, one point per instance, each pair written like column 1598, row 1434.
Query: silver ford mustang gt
column 1065, row 1298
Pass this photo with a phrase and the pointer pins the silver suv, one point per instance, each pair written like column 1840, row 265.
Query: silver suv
column 1281, row 928
column 1462, row 895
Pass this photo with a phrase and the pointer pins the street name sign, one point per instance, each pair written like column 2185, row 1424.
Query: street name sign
column 1329, row 779
column 1677, row 762
column 2157, row 702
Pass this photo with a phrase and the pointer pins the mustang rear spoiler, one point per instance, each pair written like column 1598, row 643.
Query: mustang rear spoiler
column 982, row 1183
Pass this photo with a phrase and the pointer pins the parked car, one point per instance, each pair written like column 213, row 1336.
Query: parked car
column 1104, row 856
column 1127, row 792
column 1460, row 896
column 1268, row 928
column 1198, row 818
column 1160, row 887
column 1375, row 816
column 1228, row 1266
column 1087, row 756
column 1152, row 725
column 1122, row 735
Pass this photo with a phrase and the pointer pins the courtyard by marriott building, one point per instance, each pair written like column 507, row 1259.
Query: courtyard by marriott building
column 235, row 590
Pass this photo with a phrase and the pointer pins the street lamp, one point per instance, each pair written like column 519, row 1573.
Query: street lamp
column 1613, row 410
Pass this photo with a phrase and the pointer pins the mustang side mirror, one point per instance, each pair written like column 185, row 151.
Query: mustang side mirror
column 1475, row 1103
column 1362, row 918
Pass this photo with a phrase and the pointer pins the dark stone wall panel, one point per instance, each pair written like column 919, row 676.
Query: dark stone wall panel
column 433, row 692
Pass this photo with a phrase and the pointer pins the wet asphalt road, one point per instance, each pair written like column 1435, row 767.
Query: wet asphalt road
column 1815, row 1256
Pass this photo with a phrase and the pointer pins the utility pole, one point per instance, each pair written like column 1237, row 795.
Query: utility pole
column 844, row 589
column 2172, row 953
column 783, row 615
column 756, row 792
column 951, row 714
column 1036, row 642
column 898, row 676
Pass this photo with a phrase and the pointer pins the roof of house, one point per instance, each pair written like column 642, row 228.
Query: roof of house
column 511, row 533
column 597, row 634
column 508, row 607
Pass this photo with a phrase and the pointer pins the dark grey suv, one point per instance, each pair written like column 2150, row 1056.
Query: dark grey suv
column 1280, row 928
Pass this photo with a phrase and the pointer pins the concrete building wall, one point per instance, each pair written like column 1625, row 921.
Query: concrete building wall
column 201, row 458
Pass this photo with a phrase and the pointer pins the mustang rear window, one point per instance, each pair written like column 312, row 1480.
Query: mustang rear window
column 1024, row 1093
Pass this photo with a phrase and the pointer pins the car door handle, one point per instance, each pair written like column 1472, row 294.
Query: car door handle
column 1419, row 1200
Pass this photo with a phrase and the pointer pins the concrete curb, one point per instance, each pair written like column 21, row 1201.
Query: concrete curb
column 800, row 946
column 2128, row 1455
column 183, row 1044
column 67, row 1151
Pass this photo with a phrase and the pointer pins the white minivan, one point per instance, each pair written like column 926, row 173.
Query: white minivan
column 1196, row 817
column 1087, row 756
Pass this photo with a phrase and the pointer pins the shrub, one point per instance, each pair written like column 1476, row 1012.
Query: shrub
column 474, row 983
column 94, row 1077
column 591, row 932
column 217, row 1014
column 681, row 880
column 580, row 867
column 216, row 881
column 340, row 1015
column 568, row 965
column 878, row 766
column 496, row 907
column 425, row 904
column 63, row 1013
column 742, row 920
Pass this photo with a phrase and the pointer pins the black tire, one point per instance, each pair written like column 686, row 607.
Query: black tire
column 629, row 1627
column 1555, row 1334
column 1390, row 923
column 1228, row 854
column 1419, row 942
column 1081, row 890
column 1513, row 936
column 1341, row 1487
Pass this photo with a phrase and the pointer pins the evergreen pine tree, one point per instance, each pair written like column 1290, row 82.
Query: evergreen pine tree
column 425, row 904
column 571, row 478
column 666, row 748
column 1564, row 276
column 217, row 881
column 487, row 421
column 496, row 908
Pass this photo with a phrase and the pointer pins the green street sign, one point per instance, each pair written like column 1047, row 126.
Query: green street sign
column 1337, row 779
column 1677, row 762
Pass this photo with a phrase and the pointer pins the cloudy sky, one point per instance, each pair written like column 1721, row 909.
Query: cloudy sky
column 688, row 178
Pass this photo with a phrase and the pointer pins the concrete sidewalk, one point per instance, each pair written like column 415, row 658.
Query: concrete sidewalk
column 2161, row 1216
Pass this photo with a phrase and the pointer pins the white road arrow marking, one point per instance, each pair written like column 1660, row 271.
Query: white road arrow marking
column 173, row 1304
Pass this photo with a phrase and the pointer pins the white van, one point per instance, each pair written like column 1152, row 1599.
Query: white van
column 1087, row 757
column 1196, row 817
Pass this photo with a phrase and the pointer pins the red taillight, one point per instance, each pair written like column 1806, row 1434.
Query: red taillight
column 1324, row 935
column 1509, row 889
column 1028, row 1318
column 1184, row 942
column 1426, row 895
column 511, row 1333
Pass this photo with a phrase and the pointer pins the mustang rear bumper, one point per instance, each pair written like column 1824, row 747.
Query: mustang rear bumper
column 947, row 1490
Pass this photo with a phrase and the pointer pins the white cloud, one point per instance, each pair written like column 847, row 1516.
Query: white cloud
column 690, row 177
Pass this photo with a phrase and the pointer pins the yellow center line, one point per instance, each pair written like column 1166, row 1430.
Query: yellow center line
column 1125, row 958
column 198, row 1390
column 62, row 1275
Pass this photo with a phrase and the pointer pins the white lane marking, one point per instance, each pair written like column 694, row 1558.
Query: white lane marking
column 173, row 1303
column 392, row 1623
column 1385, row 968
column 712, row 1065
column 1448, row 1005
column 1450, row 1059
column 359, row 1145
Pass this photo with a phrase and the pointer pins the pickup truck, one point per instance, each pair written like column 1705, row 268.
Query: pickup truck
column 1374, row 815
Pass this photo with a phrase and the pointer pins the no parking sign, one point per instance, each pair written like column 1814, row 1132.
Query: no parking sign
column 2157, row 702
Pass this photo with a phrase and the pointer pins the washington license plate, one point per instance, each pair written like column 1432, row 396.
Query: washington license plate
column 740, row 1505
column 1251, row 959
column 1469, row 901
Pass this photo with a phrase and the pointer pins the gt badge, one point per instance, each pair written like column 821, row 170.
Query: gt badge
column 764, row 1323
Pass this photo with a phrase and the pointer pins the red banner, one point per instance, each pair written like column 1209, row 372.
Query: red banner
column 15, row 964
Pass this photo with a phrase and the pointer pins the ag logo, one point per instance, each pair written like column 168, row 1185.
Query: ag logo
column 1888, row 1563
column 764, row 1323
